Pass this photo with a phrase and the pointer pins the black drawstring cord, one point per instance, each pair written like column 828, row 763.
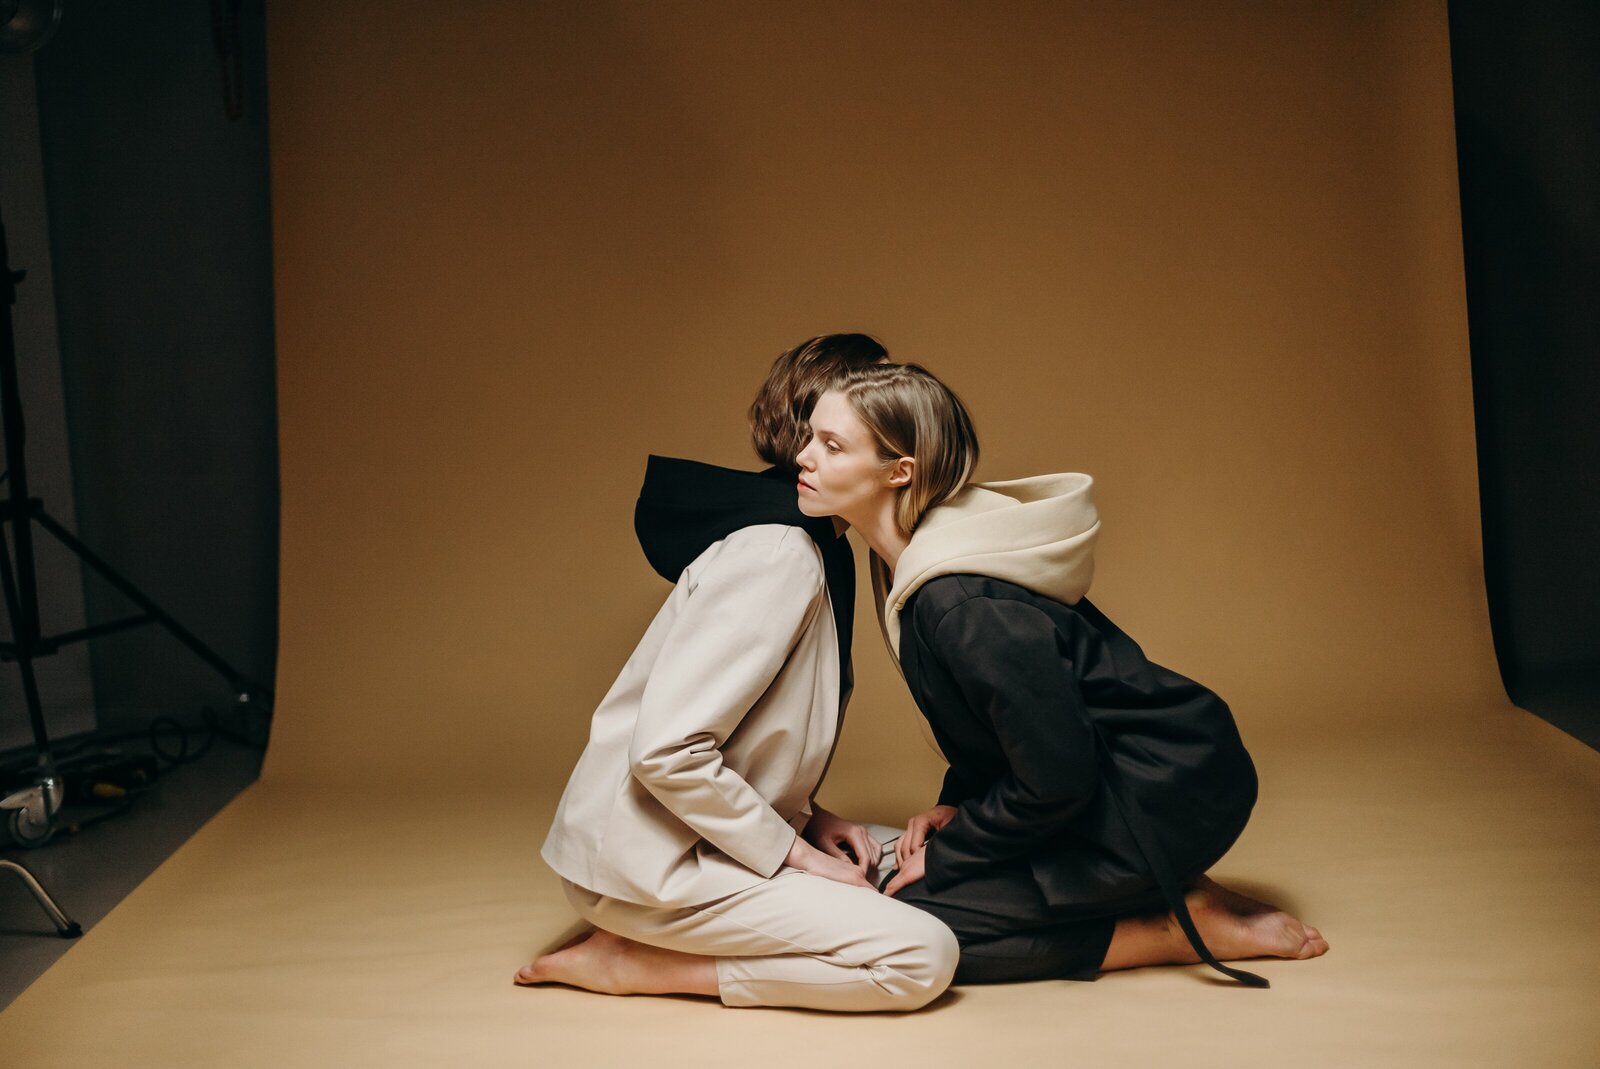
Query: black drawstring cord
column 1149, row 844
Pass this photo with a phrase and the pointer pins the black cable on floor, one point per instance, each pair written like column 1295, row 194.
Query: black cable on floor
column 165, row 728
column 98, row 774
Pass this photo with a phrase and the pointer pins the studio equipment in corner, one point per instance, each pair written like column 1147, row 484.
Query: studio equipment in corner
column 25, row 25
column 31, row 810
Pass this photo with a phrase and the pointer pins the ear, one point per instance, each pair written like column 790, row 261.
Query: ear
column 901, row 470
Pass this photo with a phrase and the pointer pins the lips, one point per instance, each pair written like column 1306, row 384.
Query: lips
column 803, row 485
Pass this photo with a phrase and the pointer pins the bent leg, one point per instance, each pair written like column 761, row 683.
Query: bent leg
column 1008, row 933
column 796, row 940
column 1071, row 951
column 609, row 964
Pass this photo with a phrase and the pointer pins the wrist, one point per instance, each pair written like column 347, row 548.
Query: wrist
column 797, row 853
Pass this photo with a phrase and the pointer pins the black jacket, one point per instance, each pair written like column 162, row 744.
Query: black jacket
column 1027, row 697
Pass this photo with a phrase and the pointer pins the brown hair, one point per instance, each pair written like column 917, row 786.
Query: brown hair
column 912, row 414
column 778, row 427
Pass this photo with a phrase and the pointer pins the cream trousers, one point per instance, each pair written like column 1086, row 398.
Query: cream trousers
column 797, row 940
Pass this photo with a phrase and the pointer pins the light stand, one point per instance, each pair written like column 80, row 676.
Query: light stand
column 66, row 927
column 32, row 810
column 35, row 807
column 20, row 581
column 24, row 28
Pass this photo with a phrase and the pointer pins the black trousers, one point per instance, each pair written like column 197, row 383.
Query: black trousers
column 1009, row 933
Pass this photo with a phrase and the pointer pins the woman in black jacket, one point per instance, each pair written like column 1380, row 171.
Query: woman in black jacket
column 1089, row 789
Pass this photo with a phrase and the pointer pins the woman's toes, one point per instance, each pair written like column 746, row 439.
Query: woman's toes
column 540, row 969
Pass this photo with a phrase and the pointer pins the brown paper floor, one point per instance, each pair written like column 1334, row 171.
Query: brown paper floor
column 93, row 869
column 1452, row 870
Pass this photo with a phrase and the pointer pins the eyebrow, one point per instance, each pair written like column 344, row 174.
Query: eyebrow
column 824, row 431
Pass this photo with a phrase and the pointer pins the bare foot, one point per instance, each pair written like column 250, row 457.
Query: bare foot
column 612, row 965
column 1235, row 926
column 525, row 974
column 1232, row 900
column 590, row 960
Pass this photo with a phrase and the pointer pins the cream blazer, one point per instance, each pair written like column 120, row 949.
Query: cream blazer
column 703, row 757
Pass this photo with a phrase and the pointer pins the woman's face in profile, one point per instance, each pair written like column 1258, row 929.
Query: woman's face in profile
column 841, row 473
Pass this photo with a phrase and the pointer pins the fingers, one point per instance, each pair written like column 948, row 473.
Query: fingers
column 916, row 834
column 902, row 846
column 863, row 845
column 848, row 875
column 909, row 873
column 832, row 848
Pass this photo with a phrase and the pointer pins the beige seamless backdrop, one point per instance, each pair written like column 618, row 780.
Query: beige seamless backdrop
column 1207, row 253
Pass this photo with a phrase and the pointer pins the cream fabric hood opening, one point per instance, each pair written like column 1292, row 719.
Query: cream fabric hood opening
column 1037, row 532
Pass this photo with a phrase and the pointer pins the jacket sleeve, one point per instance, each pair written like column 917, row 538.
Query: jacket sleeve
column 956, row 787
column 735, row 631
column 1004, row 658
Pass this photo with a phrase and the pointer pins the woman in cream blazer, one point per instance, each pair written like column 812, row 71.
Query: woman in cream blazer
column 683, row 832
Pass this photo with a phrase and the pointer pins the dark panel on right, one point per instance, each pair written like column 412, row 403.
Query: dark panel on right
column 1527, row 101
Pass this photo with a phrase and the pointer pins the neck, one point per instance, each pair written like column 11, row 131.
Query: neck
column 881, row 533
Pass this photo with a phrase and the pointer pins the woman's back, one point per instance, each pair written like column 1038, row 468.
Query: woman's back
column 979, row 651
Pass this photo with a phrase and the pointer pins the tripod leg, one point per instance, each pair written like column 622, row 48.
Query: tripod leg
column 25, row 636
column 237, row 679
column 66, row 927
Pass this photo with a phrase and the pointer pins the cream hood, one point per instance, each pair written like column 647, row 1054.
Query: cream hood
column 1038, row 533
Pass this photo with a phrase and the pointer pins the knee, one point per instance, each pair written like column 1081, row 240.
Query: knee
column 946, row 952
column 921, row 971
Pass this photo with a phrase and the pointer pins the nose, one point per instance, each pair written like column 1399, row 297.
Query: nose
column 803, row 460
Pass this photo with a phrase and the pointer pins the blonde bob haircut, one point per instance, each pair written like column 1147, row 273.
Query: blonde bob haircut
column 912, row 414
